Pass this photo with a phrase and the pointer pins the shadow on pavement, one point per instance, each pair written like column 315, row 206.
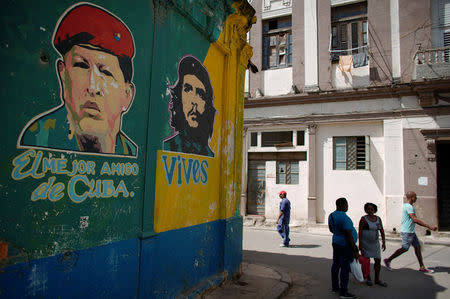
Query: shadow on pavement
column 304, row 246
column 311, row 278
column 440, row 269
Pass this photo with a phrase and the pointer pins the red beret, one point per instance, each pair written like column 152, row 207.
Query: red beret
column 93, row 25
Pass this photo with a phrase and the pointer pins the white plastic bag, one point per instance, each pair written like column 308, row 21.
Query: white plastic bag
column 355, row 267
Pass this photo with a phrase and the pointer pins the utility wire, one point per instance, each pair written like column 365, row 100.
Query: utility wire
column 371, row 33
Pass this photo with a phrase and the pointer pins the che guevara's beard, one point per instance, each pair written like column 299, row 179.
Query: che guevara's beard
column 89, row 143
column 200, row 133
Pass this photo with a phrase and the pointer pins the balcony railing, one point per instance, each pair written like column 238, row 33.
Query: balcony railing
column 432, row 63
column 432, row 56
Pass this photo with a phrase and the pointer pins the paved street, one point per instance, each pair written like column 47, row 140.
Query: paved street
column 308, row 261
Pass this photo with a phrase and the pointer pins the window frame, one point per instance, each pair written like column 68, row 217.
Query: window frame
column 292, row 143
column 342, row 27
column 274, row 138
column 360, row 162
column 253, row 137
column 267, row 44
column 288, row 177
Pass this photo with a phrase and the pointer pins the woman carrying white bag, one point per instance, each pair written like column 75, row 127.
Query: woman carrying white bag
column 356, row 269
column 344, row 248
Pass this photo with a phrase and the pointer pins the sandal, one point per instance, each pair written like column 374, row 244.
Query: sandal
column 369, row 282
column 381, row 283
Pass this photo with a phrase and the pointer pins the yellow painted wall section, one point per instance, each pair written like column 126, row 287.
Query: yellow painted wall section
column 209, row 188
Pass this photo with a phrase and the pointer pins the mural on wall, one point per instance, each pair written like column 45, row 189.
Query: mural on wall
column 187, row 173
column 95, row 72
column 191, row 109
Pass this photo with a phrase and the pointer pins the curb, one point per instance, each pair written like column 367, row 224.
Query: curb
column 306, row 230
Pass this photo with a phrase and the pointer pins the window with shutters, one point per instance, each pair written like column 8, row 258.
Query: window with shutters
column 277, row 43
column 287, row 172
column 349, row 32
column 351, row 153
column 440, row 24
column 446, row 44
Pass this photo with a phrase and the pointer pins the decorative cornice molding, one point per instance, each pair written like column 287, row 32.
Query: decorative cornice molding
column 268, row 14
column 238, row 24
column 435, row 133
column 401, row 90
column 348, row 117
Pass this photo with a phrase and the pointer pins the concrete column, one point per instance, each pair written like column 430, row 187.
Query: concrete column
column 395, row 37
column 255, row 36
column 311, row 67
column 393, row 173
column 298, row 44
column 312, row 195
column 324, row 29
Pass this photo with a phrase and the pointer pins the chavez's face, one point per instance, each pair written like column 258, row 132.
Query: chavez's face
column 193, row 98
column 94, row 90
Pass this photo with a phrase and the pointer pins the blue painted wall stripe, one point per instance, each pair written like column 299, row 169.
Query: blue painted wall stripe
column 171, row 263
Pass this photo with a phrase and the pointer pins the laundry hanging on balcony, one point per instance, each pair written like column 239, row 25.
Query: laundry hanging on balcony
column 359, row 59
column 345, row 63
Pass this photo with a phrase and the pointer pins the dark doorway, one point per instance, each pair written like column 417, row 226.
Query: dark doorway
column 256, row 194
column 443, row 183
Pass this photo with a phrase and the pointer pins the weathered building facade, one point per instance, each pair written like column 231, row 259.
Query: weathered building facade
column 352, row 99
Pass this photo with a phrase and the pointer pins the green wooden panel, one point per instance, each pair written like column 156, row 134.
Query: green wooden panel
column 30, row 87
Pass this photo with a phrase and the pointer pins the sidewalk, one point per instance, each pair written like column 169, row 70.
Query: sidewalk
column 256, row 281
column 260, row 281
column 436, row 238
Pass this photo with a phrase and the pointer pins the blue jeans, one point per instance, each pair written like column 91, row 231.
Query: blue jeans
column 283, row 230
column 342, row 257
column 409, row 239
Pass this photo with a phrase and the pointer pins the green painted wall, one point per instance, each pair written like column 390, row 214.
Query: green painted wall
column 29, row 82
column 36, row 227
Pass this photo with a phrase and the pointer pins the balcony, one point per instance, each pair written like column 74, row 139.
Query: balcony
column 432, row 63
column 276, row 8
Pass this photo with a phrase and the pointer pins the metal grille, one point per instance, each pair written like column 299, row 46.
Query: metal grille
column 287, row 172
column 351, row 152
column 360, row 153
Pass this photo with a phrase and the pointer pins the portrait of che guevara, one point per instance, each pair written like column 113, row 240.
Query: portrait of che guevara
column 191, row 109
column 95, row 72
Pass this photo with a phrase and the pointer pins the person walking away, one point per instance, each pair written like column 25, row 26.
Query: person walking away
column 409, row 237
column 369, row 243
column 344, row 248
column 284, row 218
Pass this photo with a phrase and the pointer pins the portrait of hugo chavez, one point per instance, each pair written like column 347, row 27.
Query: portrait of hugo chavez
column 95, row 73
